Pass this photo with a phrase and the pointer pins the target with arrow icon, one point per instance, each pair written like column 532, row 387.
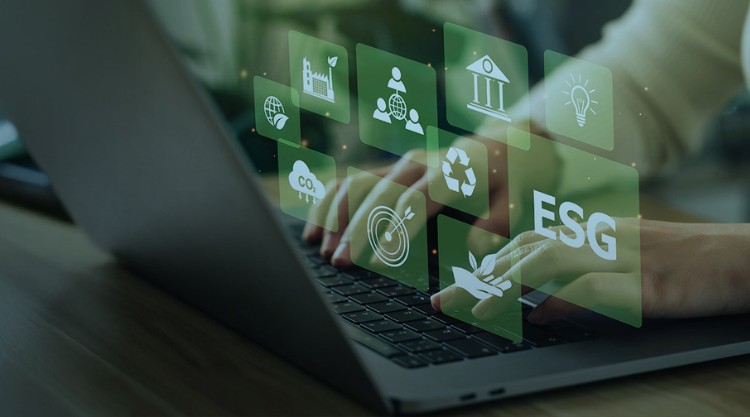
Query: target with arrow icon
column 388, row 236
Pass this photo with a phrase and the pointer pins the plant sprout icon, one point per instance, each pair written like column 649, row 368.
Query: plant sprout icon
column 580, row 98
column 481, row 283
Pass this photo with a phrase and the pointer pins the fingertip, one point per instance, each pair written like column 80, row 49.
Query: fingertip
column 341, row 256
column 435, row 301
column 537, row 316
column 311, row 232
column 481, row 310
column 327, row 246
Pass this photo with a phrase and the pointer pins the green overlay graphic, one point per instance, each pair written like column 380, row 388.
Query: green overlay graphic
column 276, row 111
column 579, row 100
column 320, row 73
column 575, row 220
column 458, row 172
column 305, row 177
column 484, row 77
column 478, row 295
column 387, row 226
column 397, row 100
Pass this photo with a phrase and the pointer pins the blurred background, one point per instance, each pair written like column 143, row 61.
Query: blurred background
column 226, row 42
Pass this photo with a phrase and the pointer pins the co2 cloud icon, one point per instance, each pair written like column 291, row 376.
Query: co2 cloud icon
column 306, row 183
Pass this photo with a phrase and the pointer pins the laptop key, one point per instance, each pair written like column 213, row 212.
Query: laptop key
column 445, row 335
column 500, row 343
column 421, row 345
column 539, row 336
column 368, row 298
column 445, row 319
column 373, row 342
column 326, row 271
column 381, row 326
column 424, row 325
column 412, row 300
column 398, row 336
column 516, row 347
column 349, row 290
column 378, row 283
column 363, row 317
column 361, row 274
column 405, row 316
column 386, row 307
column 467, row 328
column 470, row 348
column 409, row 362
column 348, row 307
column 396, row 291
column 314, row 260
column 334, row 281
column 334, row 298
column 425, row 309
column 437, row 357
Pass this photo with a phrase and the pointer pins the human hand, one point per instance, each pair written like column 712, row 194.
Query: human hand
column 411, row 171
column 677, row 270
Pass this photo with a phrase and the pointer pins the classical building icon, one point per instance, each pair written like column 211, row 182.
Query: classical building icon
column 488, row 76
column 317, row 84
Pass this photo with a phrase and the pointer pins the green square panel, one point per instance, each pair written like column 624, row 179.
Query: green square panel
column 304, row 178
column 320, row 73
column 478, row 295
column 276, row 111
column 575, row 221
column 397, row 100
column 484, row 77
column 387, row 229
column 579, row 100
column 458, row 172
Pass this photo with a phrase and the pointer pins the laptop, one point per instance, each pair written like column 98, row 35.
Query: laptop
column 146, row 165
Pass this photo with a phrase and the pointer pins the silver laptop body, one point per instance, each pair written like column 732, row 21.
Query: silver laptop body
column 144, row 164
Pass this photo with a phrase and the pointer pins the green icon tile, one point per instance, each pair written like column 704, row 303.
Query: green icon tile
column 320, row 73
column 305, row 177
column 458, row 172
column 480, row 296
column 484, row 78
column 397, row 100
column 276, row 111
column 579, row 100
column 387, row 228
column 575, row 217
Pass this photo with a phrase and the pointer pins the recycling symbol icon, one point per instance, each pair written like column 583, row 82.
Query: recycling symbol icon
column 458, row 157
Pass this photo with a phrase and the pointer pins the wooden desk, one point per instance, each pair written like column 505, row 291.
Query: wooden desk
column 80, row 335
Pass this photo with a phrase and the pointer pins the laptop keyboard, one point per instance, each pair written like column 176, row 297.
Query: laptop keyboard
column 399, row 323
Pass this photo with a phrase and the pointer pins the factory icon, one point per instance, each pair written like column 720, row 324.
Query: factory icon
column 317, row 84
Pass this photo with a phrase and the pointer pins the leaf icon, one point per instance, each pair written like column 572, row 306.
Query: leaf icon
column 488, row 264
column 332, row 61
column 472, row 261
column 279, row 120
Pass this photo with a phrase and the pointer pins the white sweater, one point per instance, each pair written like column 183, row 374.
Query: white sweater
column 675, row 64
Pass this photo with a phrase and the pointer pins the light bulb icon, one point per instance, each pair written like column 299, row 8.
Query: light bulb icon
column 580, row 98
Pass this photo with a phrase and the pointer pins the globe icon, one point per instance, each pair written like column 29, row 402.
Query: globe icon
column 397, row 106
column 271, row 107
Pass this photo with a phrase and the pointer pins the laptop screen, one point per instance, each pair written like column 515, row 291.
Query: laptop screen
column 477, row 152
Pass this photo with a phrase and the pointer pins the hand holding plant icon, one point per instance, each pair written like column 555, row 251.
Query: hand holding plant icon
column 481, row 283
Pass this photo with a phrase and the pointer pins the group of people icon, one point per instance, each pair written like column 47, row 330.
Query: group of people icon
column 396, row 106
